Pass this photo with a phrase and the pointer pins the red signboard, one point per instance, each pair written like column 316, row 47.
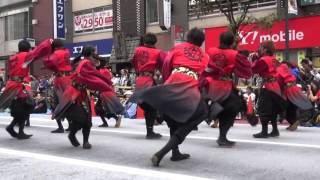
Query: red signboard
column 304, row 32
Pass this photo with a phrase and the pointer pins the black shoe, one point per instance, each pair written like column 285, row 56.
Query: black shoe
column 179, row 157
column 103, row 125
column 87, row 145
column 225, row 142
column 27, row 125
column 274, row 134
column 155, row 160
column 74, row 141
column 23, row 136
column 12, row 132
column 260, row 135
column 58, row 131
column 153, row 135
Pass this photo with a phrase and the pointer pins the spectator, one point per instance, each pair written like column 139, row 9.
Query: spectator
column 130, row 108
column 249, row 94
column 1, row 83
column 307, row 71
column 115, row 80
column 34, row 84
column 124, row 79
column 41, row 105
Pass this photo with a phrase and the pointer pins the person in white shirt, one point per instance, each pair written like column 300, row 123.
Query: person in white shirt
column 249, row 93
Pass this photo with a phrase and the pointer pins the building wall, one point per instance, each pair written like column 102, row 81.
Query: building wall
column 80, row 5
column 43, row 12
column 5, row 3
column 213, row 20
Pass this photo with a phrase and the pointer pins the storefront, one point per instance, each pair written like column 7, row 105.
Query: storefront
column 103, row 47
column 304, row 38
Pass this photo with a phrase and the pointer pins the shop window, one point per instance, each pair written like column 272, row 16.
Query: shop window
column 93, row 20
column 16, row 26
column 152, row 11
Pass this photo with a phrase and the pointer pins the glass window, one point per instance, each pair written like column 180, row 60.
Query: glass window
column 16, row 26
column 152, row 11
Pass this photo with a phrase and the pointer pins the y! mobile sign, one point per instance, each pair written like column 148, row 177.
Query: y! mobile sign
column 58, row 19
column 303, row 33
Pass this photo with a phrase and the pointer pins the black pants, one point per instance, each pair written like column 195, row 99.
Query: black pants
column 20, row 111
column 81, row 119
column 291, row 113
column 269, row 106
column 150, row 115
column 181, row 130
column 231, row 108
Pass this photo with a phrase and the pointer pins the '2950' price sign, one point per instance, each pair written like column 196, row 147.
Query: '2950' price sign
column 96, row 20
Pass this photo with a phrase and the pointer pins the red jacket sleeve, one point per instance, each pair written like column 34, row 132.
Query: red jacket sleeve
column 135, row 62
column 167, row 66
column 42, row 50
column 243, row 67
column 51, row 62
column 93, row 78
column 259, row 66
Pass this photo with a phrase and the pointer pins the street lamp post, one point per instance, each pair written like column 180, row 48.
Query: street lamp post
column 286, row 17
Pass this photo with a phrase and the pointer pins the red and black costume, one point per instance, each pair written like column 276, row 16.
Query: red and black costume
column 179, row 98
column 15, row 94
column 292, row 93
column 218, row 85
column 59, row 63
column 146, row 60
column 108, row 104
column 270, row 102
column 75, row 104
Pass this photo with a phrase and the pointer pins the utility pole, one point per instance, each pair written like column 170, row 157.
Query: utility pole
column 286, row 17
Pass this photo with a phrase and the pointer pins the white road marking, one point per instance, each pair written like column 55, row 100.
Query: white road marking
column 103, row 166
column 265, row 142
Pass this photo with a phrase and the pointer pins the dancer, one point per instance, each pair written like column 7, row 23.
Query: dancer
column 15, row 94
column 179, row 98
column 108, row 104
column 75, row 104
column 293, row 94
column 219, row 87
column 59, row 63
column 145, row 60
column 270, row 102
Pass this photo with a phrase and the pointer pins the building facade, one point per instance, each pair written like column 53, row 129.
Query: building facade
column 15, row 24
column 92, row 24
column 303, row 43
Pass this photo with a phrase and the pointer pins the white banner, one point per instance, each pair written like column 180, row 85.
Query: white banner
column 94, row 20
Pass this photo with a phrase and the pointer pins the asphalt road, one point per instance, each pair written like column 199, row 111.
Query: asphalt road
column 124, row 153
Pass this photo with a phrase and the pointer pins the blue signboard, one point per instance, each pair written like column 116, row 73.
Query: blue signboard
column 59, row 19
column 103, row 47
